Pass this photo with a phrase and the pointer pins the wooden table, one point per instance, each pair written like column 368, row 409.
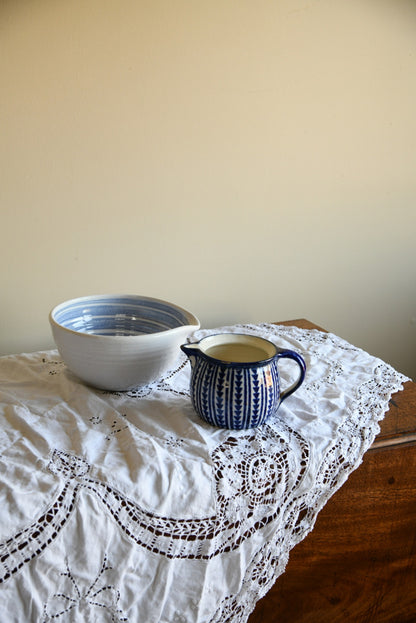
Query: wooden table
column 358, row 565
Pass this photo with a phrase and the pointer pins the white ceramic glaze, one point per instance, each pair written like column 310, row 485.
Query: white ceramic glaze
column 119, row 342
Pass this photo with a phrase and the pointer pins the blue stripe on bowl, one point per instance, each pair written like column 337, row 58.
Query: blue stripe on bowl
column 119, row 316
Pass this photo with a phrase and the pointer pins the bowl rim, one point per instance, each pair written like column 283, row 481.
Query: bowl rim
column 192, row 324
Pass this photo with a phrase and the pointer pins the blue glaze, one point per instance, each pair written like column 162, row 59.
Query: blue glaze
column 119, row 315
column 238, row 395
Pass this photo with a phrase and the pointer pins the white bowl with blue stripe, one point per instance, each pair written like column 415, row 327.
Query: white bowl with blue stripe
column 120, row 342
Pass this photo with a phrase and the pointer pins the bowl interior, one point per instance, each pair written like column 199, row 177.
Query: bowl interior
column 119, row 315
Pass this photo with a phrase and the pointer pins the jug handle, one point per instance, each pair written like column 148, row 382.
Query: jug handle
column 290, row 354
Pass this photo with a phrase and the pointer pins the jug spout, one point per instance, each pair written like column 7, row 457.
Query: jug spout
column 192, row 350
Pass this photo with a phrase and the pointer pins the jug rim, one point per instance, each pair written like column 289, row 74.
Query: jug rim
column 229, row 338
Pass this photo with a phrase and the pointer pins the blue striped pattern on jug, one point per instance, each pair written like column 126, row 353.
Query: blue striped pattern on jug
column 235, row 397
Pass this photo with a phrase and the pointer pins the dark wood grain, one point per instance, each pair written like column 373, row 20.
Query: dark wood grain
column 358, row 565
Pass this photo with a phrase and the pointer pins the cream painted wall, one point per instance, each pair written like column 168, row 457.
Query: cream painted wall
column 251, row 161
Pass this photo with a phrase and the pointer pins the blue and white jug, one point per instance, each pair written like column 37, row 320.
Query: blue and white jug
column 235, row 379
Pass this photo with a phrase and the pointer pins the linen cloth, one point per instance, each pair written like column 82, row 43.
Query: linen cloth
column 128, row 507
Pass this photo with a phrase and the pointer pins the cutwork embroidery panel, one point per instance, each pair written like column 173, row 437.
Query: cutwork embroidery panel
column 262, row 488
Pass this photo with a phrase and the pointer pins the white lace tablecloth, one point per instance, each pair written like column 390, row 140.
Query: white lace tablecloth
column 127, row 507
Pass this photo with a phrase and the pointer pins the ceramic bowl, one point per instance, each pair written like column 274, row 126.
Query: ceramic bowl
column 120, row 342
